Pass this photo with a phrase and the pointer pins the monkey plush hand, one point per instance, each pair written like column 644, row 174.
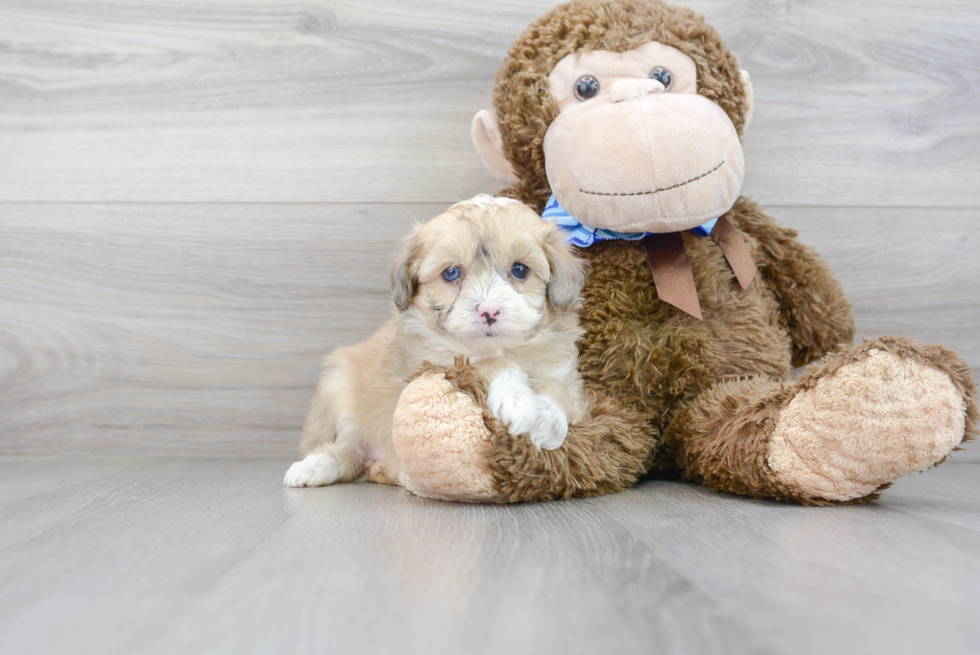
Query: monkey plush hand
column 623, row 119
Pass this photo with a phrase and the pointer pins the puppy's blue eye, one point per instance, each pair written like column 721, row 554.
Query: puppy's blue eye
column 519, row 271
column 450, row 273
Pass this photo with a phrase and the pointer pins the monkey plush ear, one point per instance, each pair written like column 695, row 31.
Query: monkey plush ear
column 749, row 99
column 490, row 146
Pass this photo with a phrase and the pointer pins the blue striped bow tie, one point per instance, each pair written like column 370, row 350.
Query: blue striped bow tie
column 669, row 264
column 584, row 236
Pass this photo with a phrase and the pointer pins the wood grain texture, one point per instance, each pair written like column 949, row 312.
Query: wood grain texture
column 199, row 329
column 214, row 556
column 858, row 103
column 204, row 325
column 909, row 272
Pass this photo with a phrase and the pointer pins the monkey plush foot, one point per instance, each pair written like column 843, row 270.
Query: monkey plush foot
column 452, row 447
column 865, row 418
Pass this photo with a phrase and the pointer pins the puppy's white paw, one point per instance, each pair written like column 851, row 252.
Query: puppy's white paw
column 511, row 400
column 313, row 471
column 551, row 427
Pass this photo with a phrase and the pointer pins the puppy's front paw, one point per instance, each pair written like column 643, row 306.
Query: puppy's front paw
column 551, row 426
column 313, row 471
column 511, row 400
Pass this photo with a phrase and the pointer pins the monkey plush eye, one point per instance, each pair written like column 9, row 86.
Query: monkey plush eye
column 586, row 87
column 519, row 271
column 662, row 75
column 451, row 273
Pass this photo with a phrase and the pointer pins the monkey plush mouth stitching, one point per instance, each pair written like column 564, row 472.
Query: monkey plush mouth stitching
column 650, row 193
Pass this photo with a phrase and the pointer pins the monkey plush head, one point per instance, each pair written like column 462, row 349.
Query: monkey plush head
column 628, row 111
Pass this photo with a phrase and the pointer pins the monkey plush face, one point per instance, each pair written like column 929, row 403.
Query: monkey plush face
column 629, row 111
column 634, row 148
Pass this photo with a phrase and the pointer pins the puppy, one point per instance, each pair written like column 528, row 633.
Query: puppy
column 488, row 280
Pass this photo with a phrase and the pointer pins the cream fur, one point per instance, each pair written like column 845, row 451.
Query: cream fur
column 871, row 422
column 531, row 338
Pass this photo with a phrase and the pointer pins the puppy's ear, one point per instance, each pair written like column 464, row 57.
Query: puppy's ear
column 403, row 277
column 567, row 271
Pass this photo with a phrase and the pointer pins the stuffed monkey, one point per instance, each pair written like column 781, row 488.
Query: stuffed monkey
column 621, row 120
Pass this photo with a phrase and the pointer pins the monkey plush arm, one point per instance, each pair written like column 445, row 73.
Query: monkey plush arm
column 812, row 305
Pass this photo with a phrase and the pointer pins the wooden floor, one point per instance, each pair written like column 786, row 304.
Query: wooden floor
column 215, row 556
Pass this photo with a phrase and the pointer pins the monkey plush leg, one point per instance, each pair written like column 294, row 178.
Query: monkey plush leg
column 453, row 448
column 840, row 434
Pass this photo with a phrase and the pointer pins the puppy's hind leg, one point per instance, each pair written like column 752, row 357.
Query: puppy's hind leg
column 329, row 440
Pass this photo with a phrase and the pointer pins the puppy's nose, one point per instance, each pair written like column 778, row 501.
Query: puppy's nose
column 489, row 312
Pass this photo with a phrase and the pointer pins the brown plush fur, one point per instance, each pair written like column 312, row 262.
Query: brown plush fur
column 655, row 358
column 670, row 392
column 685, row 377
column 720, row 440
column 604, row 453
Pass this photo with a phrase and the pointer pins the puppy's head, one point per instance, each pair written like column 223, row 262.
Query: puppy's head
column 488, row 273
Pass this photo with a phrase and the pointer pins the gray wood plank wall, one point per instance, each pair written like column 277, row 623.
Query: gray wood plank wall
column 197, row 200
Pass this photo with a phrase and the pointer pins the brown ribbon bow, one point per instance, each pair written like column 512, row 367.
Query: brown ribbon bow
column 671, row 268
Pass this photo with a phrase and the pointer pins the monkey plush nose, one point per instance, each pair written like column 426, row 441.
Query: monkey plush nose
column 633, row 89
column 489, row 312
